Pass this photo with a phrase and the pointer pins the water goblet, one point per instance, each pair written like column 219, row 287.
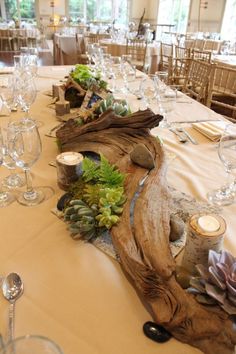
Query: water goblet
column 6, row 198
column 31, row 344
column 14, row 180
column 227, row 154
column 161, row 80
column 148, row 89
column 26, row 93
column 25, row 148
column 166, row 101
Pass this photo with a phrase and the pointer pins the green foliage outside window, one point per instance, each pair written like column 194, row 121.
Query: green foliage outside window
column 27, row 9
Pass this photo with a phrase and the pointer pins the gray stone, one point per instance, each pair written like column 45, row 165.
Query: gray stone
column 176, row 227
column 142, row 157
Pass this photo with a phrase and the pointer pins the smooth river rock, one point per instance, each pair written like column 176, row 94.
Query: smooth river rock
column 142, row 156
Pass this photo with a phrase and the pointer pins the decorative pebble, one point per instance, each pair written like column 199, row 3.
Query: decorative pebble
column 63, row 200
column 176, row 227
column 142, row 157
column 156, row 332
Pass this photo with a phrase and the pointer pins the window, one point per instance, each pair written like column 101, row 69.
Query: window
column 174, row 12
column 229, row 21
column 23, row 9
column 100, row 10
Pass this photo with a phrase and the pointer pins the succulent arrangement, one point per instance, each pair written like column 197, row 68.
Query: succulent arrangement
column 87, row 78
column 120, row 107
column 216, row 283
column 97, row 199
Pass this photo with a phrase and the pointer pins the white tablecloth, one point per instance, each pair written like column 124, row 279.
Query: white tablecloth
column 74, row 293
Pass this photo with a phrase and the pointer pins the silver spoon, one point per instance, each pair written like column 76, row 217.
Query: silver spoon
column 12, row 288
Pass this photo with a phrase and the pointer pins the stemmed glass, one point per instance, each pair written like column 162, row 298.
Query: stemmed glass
column 25, row 148
column 31, row 344
column 6, row 198
column 8, row 97
column 26, row 93
column 115, row 72
column 166, row 100
column 227, row 154
column 148, row 89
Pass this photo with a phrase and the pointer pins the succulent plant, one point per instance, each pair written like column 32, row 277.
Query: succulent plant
column 121, row 107
column 96, row 200
column 217, row 281
column 81, row 218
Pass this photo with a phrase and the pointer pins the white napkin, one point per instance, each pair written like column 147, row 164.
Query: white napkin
column 212, row 130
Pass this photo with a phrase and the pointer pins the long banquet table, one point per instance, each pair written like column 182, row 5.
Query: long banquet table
column 74, row 293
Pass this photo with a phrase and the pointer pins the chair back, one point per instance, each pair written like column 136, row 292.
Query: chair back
column 182, row 52
column 201, row 55
column 199, row 44
column 212, row 45
column 137, row 48
column 198, row 78
column 166, row 59
column 222, row 90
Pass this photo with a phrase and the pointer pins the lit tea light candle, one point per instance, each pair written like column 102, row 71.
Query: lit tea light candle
column 208, row 223
column 68, row 168
column 71, row 158
column 204, row 233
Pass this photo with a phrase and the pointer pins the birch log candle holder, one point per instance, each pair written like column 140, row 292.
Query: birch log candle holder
column 62, row 106
column 69, row 168
column 205, row 232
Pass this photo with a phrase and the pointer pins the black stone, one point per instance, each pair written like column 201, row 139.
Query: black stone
column 156, row 332
column 65, row 198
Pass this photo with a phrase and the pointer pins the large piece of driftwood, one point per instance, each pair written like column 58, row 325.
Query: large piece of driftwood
column 142, row 240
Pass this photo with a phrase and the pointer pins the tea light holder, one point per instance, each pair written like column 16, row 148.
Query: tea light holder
column 205, row 232
column 69, row 168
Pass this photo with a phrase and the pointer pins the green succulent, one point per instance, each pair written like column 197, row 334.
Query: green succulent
column 120, row 108
column 87, row 78
column 98, row 199
column 81, row 218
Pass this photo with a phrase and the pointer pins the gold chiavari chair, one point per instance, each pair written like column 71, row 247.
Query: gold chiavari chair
column 5, row 40
column 222, row 91
column 199, row 44
column 166, row 59
column 82, row 57
column 197, row 81
column 180, row 65
column 212, row 45
column 201, row 55
column 137, row 48
column 91, row 38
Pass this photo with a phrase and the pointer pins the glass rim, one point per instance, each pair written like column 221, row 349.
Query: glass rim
column 31, row 336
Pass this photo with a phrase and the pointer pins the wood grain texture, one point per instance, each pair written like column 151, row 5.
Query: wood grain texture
column 141, row 238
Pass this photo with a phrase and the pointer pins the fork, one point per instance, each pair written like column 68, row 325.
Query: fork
column 182, row 138
column 190, row 138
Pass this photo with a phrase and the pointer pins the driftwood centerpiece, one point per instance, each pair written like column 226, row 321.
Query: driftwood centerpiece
column 142, row 237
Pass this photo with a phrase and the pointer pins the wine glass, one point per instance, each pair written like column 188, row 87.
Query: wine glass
column 148, row 89
column 31, row 344
column 166, row 100
column 227, row 154
column 25, row 148
column 14, row 180
column 7, row 94
column 6, row 198
column 26, row 93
